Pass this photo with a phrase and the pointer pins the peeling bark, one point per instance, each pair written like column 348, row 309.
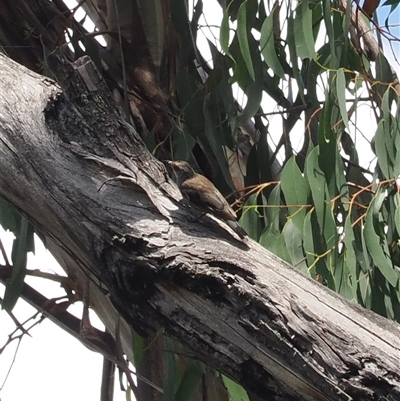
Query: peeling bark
column 76, row 169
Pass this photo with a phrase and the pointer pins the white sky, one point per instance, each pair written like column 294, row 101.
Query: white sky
column 52, row 365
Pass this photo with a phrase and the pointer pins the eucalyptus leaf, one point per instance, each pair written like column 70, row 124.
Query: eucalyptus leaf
column 272, row 210
column 350, row 257
column 169, row 388
column 15, row 284
column 341, row 95
column 243, row 32
column 308, row 239
column 397, row 220
column 291, row 34
column 250, row 220
column 319, row 192
column 236, row 392
column 267, row 45
column 179, row 16
column 341, row 275
column 182, row 144
column 381, row 150
column 269, row 241
column 375, row 241
column 304, row 33
column 194, row 371
column 294, row 245
column 224, row 34
column 296, row 192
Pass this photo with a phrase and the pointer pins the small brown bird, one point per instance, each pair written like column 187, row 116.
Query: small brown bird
column 202, row 192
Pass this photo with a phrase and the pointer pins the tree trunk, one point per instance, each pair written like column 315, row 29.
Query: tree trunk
column 76, row 169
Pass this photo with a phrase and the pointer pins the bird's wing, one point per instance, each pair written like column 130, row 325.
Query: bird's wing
column 199, row 192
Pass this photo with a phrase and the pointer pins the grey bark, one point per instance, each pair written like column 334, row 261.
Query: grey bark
column 72, row 165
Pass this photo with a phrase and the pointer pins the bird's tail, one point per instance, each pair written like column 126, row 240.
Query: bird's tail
column 235, row 227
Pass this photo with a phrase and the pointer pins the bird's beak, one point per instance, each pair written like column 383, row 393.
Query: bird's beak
column 169, row 163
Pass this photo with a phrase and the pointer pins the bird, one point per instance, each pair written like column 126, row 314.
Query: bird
column 201, row 191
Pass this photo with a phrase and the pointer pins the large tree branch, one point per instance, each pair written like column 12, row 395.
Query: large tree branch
column 74, row 166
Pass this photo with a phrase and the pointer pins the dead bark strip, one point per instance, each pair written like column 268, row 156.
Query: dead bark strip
column 71, row 163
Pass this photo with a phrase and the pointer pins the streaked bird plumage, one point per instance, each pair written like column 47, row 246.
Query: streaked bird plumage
column 202, row 192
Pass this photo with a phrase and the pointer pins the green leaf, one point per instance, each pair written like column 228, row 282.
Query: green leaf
column 327, row 13
column 243, row 36
column 317, row 182
column 387, row 142
column 179, row 17
column 272, row 213
column 364, row 286
column 191, row 102
column 295, row 191
column 391, row 3
column 253, row 88
column 253, row 91
column 319, row 192
column 225, row 96
column 308, row 239
column 304, row 31
column 340, row 179
column 363, row 256
column 152, row 13
column 128, row 394
column 396, row 137
column 380, row 289
column 376, row 242
column 328, row 145
column 9, row 218
column 341, row 95
column 387, row 299
column 251, row 218
column 236, row 392
column 315, row 250
column 171, row 369
column 390, row 123
column 139, row 348
column 291, row 35
column 224, row 34
column 349, row 147
column 381, row 150
column 338, row 57
column 281, row 249
column 267, row 45
column 182, row 144
column 294, row 246
column 240, row 73
column 263, row 159
column 349, row 253
column 194, row 371
column 341, row 275
column 346, row 27
column 397, row 220
column 384, row 75
column 15, row 284
column 215, row 142
column 269, row 241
